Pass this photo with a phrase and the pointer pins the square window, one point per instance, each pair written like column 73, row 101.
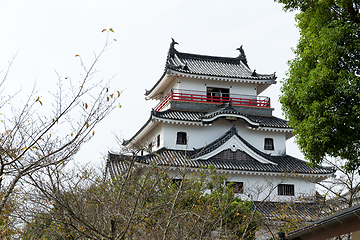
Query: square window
column 286, row 189
column 181, row 138
column 238, row 187
column 177, row 182
column 269, row 144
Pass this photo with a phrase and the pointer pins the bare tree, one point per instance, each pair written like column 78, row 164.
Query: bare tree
column 34, row 136
column 341, row 190
column 143, row 203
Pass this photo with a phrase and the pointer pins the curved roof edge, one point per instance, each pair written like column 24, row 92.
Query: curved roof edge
column 171, row 158
column 203, row 65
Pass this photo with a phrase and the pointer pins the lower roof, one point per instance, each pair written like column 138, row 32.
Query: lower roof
column 305, row 211
column 117, row 163
column 337, row 224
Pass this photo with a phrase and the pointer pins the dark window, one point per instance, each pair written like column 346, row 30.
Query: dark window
column 177, row 182
column 286, row 189
column 269, row 144
column 238, row 187
column 150, row 146
column 217, row 94
column 158, row 140
column 181, row 138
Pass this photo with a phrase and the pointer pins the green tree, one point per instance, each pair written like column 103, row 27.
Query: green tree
column 320, row 95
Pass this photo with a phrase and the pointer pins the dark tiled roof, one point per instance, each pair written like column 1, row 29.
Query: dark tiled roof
column 227, row 109
column 339, row 221
column 180, row 158
column 199, row 116
column 302, row 211
column 179, row 115
column 270, row 121
column 196, row 64
column 212, row 66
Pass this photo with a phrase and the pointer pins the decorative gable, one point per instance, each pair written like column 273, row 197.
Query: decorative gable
column 229, row 141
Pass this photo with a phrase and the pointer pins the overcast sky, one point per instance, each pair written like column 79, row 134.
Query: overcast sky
column 46, row 35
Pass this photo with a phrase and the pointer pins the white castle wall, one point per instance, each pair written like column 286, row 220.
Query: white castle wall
column 200, row 136
column 264, row 187
column 201, row 84
column 152, row 135
column 260, row 187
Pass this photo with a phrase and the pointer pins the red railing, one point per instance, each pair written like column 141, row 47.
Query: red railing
column 163, row 103
column 253, row 101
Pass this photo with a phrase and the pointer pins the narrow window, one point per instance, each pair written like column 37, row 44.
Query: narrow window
column 238, row 187
column 150, row 146
column 158, row 140
column 269, row 144
column 286, row 189
column 181, row 138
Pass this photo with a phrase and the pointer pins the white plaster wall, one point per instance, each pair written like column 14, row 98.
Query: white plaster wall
column 201, row 84
column 171, row 83
column 200, row 136
column 152, row 137
column 260, row 187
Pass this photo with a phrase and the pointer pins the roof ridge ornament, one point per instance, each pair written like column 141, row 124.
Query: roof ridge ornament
column 254, row 74
column 242, row 56
column 172, row 49
column 173, row 43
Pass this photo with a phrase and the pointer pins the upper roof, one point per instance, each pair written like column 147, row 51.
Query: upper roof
column 212, row 66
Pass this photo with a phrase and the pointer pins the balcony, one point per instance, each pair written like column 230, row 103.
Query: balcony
column 214, row 98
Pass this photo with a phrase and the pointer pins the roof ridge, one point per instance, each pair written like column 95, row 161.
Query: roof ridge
column 207, row 57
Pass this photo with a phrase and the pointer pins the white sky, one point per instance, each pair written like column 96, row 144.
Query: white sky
column 48, row 34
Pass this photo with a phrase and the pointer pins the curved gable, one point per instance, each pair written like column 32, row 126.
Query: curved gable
column 230, row 140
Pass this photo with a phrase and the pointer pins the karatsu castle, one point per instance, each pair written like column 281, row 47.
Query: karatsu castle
column 210, row 111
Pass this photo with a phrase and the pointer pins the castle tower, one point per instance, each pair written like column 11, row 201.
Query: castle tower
column 210, row 111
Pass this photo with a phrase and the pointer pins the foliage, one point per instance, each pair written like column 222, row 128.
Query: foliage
column 320, row 96
column 138, row 205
